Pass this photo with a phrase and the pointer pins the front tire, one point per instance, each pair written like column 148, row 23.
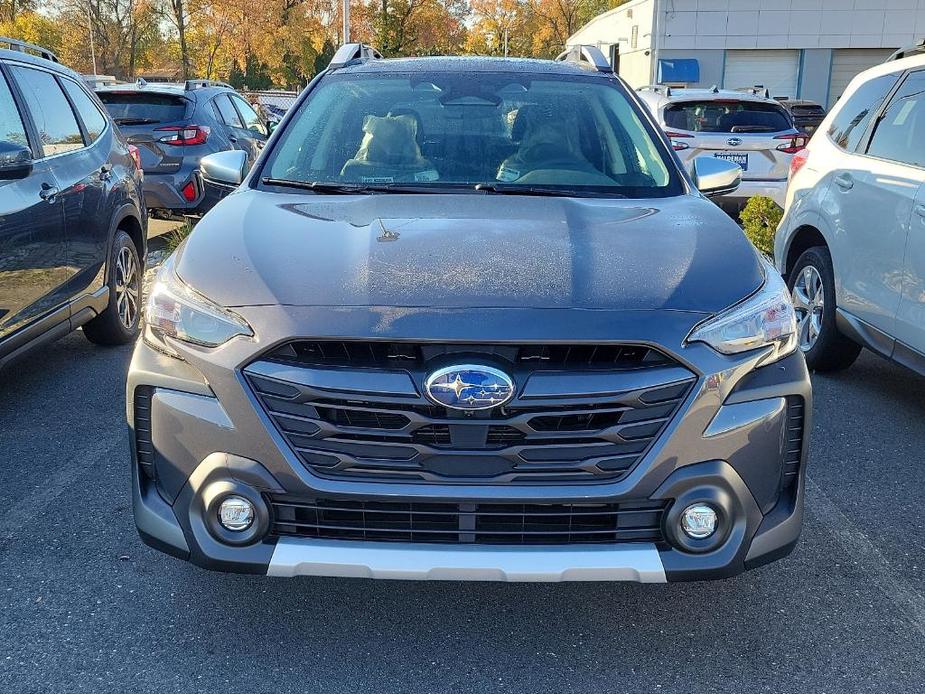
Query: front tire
column 118, row 323
column 812, row 288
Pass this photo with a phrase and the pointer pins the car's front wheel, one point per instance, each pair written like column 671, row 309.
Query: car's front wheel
column 118, row 324
column 812, row 288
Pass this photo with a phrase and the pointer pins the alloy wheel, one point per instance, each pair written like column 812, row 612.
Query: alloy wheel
column 809, row 302
column 128, row 287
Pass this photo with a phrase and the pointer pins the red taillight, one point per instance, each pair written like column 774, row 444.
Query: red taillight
column 136, row 156
column 184, row 134
column 674, row 137
column 799, row 159
column 795, row 144
column 189, row 192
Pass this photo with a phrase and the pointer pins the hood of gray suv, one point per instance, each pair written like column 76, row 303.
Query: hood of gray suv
column 469, row 251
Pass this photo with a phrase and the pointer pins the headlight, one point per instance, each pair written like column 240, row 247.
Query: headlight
column 765, row 319
column 176, row 310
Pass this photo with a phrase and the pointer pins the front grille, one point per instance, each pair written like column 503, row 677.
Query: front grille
column 404, row 437
column 144, row 447
column 468, row 523
column 794, row 452
column 391, row 355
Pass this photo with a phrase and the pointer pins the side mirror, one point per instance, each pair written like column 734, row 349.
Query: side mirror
column 224, row 168
column 271, row 126
column 714, row 176
column 15, row 161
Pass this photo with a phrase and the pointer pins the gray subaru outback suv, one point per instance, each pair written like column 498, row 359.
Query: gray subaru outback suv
column 468, row 318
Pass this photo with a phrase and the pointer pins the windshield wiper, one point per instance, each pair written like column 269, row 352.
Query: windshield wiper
column 135, row 121
column 545, row 191
column 331, row 188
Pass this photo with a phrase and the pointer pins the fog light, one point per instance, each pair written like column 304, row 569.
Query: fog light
column 236, row 513
column 698, row 521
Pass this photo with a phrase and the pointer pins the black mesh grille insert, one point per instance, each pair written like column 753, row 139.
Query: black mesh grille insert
column 360, row 418
column 391, row 355
column 469, row 523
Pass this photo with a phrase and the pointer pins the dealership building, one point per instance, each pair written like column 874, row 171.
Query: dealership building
column 807, row 49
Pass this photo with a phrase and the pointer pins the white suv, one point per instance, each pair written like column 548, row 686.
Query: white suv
column 742, row 126
column 852, row 241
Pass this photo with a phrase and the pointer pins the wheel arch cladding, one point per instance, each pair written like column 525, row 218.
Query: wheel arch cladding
column 804, row 238
column 127, row 220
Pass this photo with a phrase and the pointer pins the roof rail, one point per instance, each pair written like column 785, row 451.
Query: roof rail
column 25, row 47
column 756, row 90
column 585, row 56
column 353, row 51
column 914, row 49
column 657, row 88
column 190, row 85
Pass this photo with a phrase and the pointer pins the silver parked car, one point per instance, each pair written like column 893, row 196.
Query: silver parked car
column 852, row 241
column 742, row 126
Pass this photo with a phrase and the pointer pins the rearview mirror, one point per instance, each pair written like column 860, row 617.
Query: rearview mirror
column 714, row 176
column 15, row 160
column 224, row 168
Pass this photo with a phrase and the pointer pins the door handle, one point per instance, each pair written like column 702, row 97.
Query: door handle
column 920, row 210
column 844, row 181
column 48, row 192
column 233, row 140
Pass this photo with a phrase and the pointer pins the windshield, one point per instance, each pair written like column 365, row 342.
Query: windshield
column 494, row 131
column 720, row 116
column 143, row 107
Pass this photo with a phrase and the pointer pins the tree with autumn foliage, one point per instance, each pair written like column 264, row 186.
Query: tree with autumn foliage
column 535, row 28
column 283, row 43
column 126, row 35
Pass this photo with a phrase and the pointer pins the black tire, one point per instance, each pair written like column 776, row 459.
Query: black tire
column 830, row 350
column 118, row 323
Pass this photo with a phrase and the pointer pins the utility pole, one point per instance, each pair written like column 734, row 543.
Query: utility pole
column 346, row 21
column 505, row 42
column 90, row 29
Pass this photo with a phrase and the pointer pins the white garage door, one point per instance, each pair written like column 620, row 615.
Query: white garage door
column 848, row 62
column 778, row 70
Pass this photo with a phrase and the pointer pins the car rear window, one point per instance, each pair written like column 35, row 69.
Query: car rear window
column 720, row 116
column 140, row 108
column 808, row 111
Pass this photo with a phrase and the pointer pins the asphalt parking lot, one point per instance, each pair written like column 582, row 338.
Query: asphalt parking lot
column 85, row 607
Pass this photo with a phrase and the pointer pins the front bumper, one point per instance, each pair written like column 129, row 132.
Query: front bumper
column 726, row 445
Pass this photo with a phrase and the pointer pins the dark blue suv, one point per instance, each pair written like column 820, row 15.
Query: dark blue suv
column 72, row 217
column 174, row 126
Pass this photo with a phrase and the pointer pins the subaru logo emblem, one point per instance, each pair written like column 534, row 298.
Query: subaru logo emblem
column 469, row 387
column 734, row 141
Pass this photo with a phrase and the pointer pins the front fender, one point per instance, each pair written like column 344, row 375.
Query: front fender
column 801, row 217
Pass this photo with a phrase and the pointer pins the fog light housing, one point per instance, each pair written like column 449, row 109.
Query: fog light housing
column 236, row 513
column 698, row 521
